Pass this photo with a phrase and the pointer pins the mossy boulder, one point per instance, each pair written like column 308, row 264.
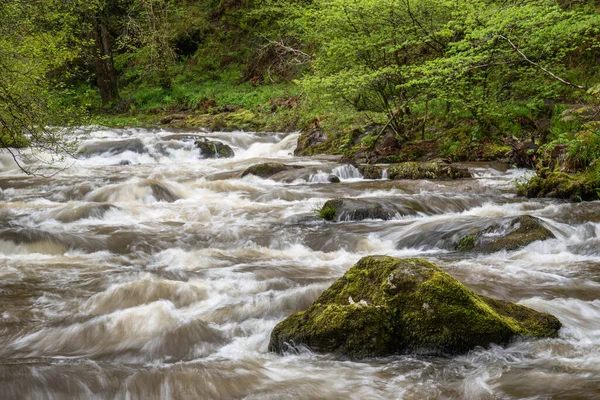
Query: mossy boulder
column 511, row 234
column 310, row 142
column 370, row 171
column 575, row 187
column 265, row 170
column 344, row 209
column 428, row 170
column 384, row 306
column 213, row 149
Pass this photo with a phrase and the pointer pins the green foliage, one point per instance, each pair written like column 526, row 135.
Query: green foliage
column 466, row 74
column 467, row 243
column 327, row 213
column 37, row 38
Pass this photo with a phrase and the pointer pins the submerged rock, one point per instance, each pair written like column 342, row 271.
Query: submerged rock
column 333, row 178
column 358, row 209
column 430, row 170
column 510, row 235
column 161, row 192
column 384, row 306
column 213, row 149
column 111, row 147
column 292, row 175
column 266, row 170
column 87, row 210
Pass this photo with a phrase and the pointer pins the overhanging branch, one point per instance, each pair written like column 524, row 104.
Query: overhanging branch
column 558, row 78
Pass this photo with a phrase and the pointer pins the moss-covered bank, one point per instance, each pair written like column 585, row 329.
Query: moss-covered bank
column 576, row 187
column 385, row 305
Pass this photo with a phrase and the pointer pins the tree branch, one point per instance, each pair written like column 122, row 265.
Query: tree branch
column 558, row 78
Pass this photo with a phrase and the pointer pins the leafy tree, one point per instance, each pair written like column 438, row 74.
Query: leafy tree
column 36, row 39
column 476, row 59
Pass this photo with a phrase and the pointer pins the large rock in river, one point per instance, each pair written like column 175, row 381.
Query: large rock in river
column 385, row 306
column 428, row 170
column 213, row 149
column 91, row 148
column 345, row 209
column 512, row 234
column 266, row 170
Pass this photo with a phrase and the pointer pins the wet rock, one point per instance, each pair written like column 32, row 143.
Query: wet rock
column 88, row 210
column 294, row 175
column 348, row 161
column 524, row 153
column 370, row 171
column 510, row 234
column 111, row 147
column 358, row 209
column 333, row 179
column 384, row 306
column 576, row 187
column 170, row 118
column 161, row 192
column 41, row 241
column 124, row 162
column 213, row 149
column 309, row 140
column 265, row 170
column 430, row 170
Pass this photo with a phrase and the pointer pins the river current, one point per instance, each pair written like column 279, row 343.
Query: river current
column 146, row 272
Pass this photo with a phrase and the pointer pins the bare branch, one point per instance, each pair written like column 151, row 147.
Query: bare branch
column 558, row 78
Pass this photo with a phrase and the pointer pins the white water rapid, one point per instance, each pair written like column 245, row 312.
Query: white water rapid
column 146, row 272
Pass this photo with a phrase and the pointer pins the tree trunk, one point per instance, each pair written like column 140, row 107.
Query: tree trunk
column 106, row 74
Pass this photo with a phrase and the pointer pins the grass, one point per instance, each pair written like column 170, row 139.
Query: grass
column 327, row 213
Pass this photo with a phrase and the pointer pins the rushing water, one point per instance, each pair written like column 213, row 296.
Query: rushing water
column 163, row 278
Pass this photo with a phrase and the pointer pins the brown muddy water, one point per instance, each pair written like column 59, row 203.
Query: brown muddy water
column 163, row 278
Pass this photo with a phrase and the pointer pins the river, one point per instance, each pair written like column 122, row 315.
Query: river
column 143, row 272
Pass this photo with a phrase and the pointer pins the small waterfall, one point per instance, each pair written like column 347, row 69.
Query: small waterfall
column 347, row 172
column 384, row 174
column 320, row 177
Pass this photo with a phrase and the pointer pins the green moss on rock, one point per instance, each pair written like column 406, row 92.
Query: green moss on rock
column 431, row 170
column 213, row 149
column 266, row 170
column 467, row 243
column 371, row 171
column 345, row 209
column 327, row 212
column 385, row 305
column 576, row 187
column 226, row 121
column 516, row 233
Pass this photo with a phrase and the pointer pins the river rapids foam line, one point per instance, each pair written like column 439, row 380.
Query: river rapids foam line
column 144, row 271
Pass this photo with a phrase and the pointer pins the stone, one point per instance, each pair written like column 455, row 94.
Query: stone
column 428, row 170
column 384, row 306
column 266, row 170
column 213, row 149
column 511, row 235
